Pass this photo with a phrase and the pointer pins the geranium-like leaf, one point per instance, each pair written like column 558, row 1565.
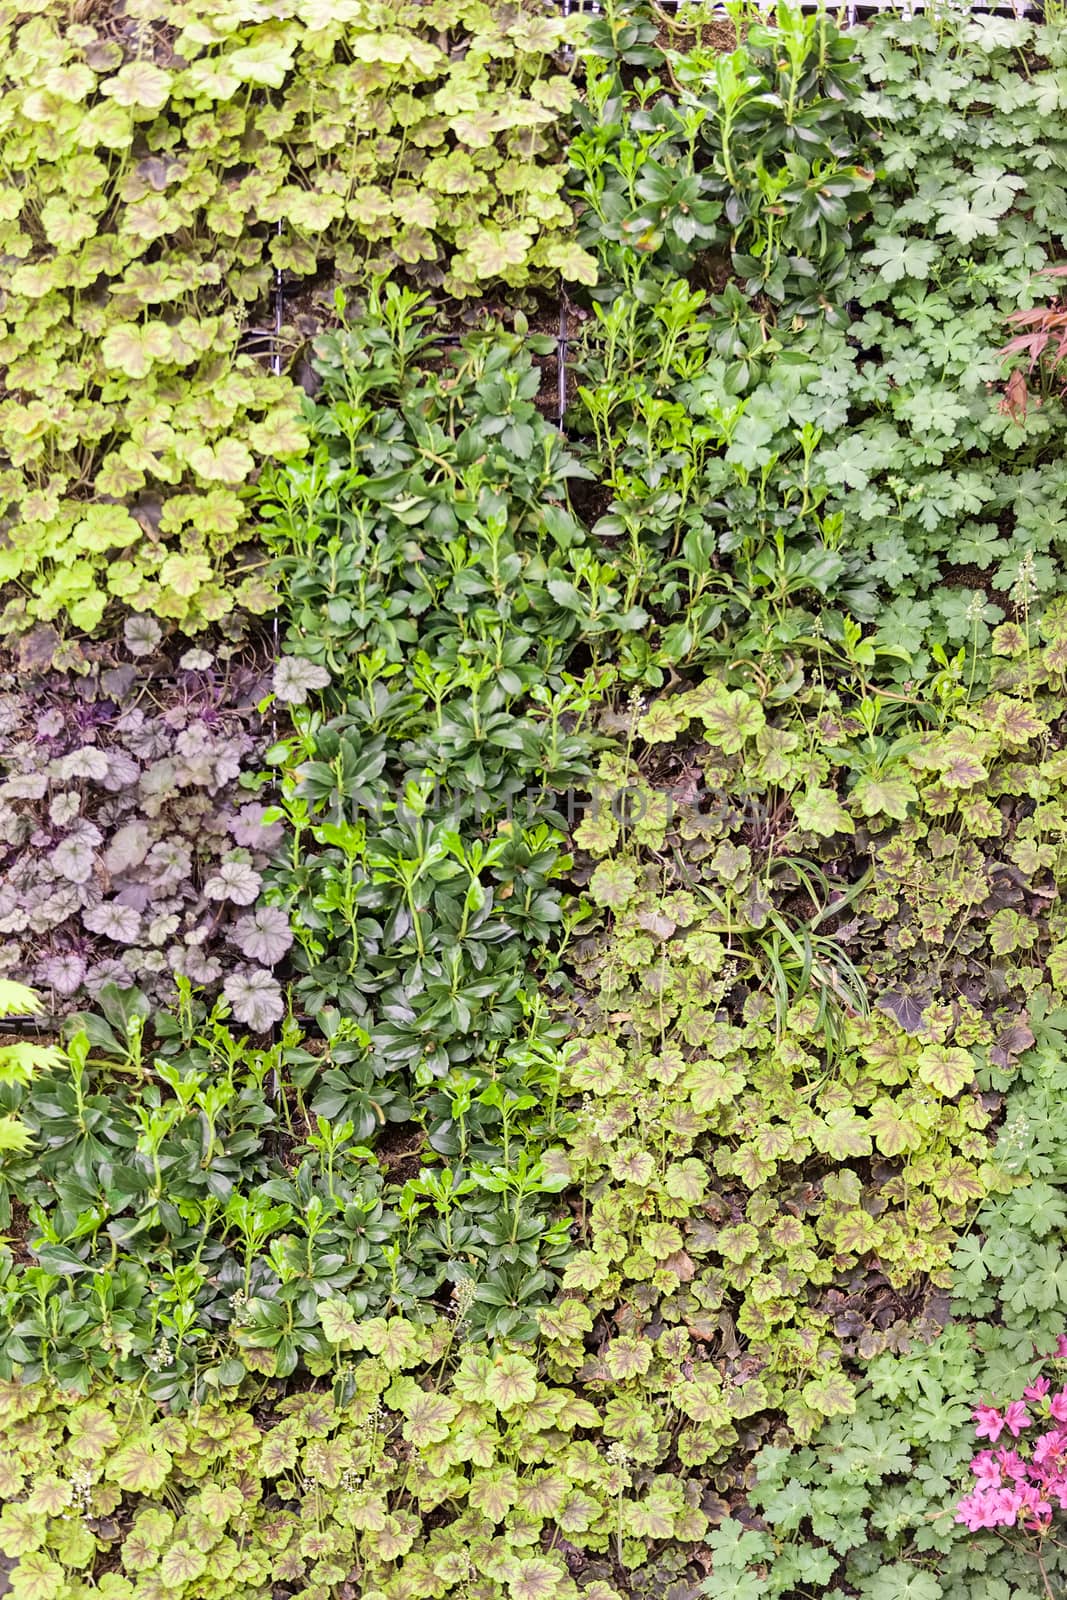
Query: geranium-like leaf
column 141, row 635
column 907, row 1009
column 181, row 1564
column 227, row 462
column 218, row 1505
column 236, row 882
column 573, row 263
column 185, row 573
column 820, row 811
column 536, row 1579
column 140, row 1467
column 85, row 762
column 832, row 1395
column 340, row 1325
column 39, row 1578
column 893, row 1133
column 74, row 858
column 885, row 796
column 613, row 884
column 841, row 1133
column 429, row 1417
column 138, row 83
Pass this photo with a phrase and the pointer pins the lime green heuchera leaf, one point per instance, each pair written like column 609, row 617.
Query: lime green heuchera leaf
column 429, row 1417
column 138, row 84
column 492, row 252
column 340, row 1325
column 140, row 1467
column 571, row 262
column 511, row 1382
column 38, row 1577
column 613, row 884
column 885, row 795
column 832, row 1395
column 537, row 1578
column 229, row 461
column 946, row 1069
column 133, row 349
column 181, row 1564
column 820, row 811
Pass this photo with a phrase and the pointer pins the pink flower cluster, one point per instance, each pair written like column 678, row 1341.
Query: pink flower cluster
column 1020, row 1487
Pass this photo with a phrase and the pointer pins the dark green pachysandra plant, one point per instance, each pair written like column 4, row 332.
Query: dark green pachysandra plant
column 158, row 172
column 749, row 162
column 762, row 470
column 199, row 1208
column 438, row 582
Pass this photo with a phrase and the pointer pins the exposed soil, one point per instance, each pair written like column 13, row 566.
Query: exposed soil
column 400, row 1150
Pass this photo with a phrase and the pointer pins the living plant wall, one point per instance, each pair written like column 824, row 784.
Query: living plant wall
column 534, row 978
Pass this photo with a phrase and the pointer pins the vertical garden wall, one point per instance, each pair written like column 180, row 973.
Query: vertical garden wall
column 532, row 802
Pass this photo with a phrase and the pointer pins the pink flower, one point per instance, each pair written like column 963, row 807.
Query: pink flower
column 1061, row 1346
column 1016, row 1418
column 990, row 1423
column 989, row 1508
column 1037, row 1390
column 1012, row 1464
column 986, row 1469
column 1049, row 1450
column 1058, row 1406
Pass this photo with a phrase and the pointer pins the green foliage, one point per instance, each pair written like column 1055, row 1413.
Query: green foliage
column 197, row 1206
column 368, row 137
column 753, row 155
column 760, row 473
column 797, row 973
column 489, row 1272
column 431, row 568
column 870, row 1503
column 395, row 1479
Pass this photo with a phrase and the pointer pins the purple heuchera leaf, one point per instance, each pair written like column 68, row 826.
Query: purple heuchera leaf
column 108, row 972
column 87, row 762
column 189, row 961
column 142, row 634
column 119, row 922
column 235, row 881
column 64, row 973
column 295, row 677
column 64, row 807
column 128, row 847
column 75, row 856
column 250, row 830
column 122, row 772
column 265, row 936
column 196, row 660
column 255, row 998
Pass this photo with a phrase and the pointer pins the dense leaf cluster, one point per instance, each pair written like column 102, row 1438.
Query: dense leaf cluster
column 160, row 167
column 626, row 1142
